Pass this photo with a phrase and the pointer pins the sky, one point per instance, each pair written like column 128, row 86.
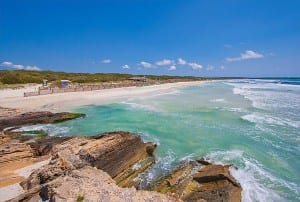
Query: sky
column 250, row 38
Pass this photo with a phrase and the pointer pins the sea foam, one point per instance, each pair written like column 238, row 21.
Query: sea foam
column 258, row 184
column 50, row 129
column 260, row 118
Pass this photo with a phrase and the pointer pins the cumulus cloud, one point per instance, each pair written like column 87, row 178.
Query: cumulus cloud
column 172, row 68
column 8, row 64
column 125, row 67
column 146, row 64
column 14, row 66
column 19, row 66
column 248, row 54
column 181, row 61
column 32, row 68
column 165, row 62
column 171, row 64
column 195, row 66
column 106, row 61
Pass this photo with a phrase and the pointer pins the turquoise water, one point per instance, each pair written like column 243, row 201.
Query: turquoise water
column 253, row 124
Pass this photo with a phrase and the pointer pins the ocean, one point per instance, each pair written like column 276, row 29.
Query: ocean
column 251, row 123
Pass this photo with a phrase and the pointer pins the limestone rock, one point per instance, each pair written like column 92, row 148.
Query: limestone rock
column 31, row 118
column 193, row 182
column 89, row 184
column 13, row 156
column 115, row 153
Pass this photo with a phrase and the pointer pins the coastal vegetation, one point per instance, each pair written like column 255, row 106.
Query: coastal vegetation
column 25, row 76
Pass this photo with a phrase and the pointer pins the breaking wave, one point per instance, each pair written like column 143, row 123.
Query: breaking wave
column 258, row 184
column 260, row 118
column 50, row 129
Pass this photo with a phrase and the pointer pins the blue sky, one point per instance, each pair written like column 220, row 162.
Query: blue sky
column 187, row 37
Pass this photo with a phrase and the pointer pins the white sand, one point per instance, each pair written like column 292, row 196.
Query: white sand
column 14, row 190
column 11, row 93
column 66, row 101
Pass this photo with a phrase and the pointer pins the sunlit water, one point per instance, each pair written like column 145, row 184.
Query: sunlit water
column 254, row 124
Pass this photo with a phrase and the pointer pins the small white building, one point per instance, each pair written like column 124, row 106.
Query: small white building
column 64, row 83
column 45, row 82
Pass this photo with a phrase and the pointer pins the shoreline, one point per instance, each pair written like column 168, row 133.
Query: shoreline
column 68, row 101
column 63, row 151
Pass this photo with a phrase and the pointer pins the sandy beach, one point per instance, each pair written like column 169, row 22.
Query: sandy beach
column 14, row 99
column 67, row 101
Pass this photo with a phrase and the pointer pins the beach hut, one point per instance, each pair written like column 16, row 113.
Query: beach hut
column 45, row 82
column 64, row 83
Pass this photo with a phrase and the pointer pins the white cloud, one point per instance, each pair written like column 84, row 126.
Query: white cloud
column 106, row 61
column 126, row 67
column 32, row 68
column 195, row 66
column 165, row 62
column 28, row 67
column 172, row 68
column 8, row 64
column 222, row 67
column 146, row 64
column 171, row 64
column 181, row 61
column 248, row 54
column 18, row 66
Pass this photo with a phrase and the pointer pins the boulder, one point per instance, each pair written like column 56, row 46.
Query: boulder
column 193, row 182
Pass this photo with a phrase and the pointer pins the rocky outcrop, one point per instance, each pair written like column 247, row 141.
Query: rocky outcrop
column 13, row 156
column 18, row 151
column 89, row 184
column 78, row 167
column 194, row 182
column 115, row 153
column 95, row 168
column 31, row 118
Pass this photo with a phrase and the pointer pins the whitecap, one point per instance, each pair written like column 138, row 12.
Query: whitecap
column 148, row 138
column 257, row 183
column 137, row 106
column 162, row 166
column 235, row 109
column 259, row 118
column 50, row 129
column 268, row 95
column 218, row 100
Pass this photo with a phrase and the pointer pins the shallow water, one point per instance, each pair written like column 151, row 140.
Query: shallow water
column 253, row 124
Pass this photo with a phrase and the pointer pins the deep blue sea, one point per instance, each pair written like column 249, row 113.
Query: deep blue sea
column 252, row 123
